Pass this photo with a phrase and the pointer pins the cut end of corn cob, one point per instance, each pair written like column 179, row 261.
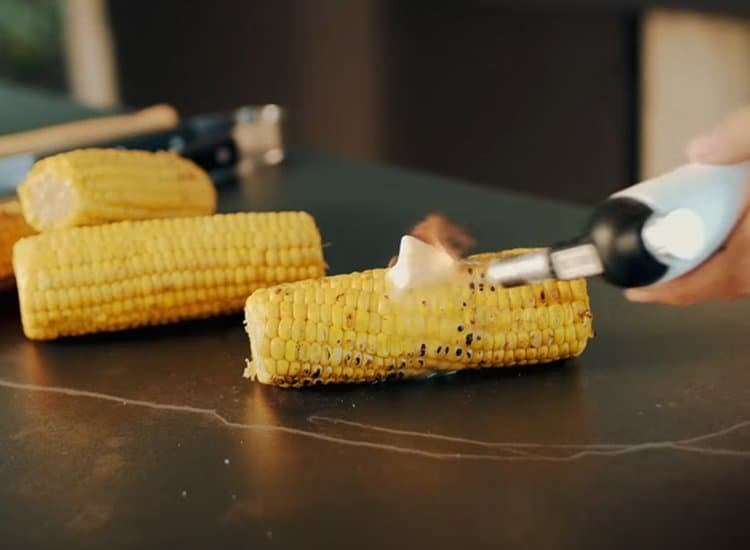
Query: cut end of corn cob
column 133, row 274
column 92, row 186
column 12, row 228
column 354, row 328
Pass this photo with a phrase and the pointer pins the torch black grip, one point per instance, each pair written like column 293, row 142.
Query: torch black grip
column 615, row 230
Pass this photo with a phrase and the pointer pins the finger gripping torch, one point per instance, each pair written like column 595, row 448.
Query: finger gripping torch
column 649, row 233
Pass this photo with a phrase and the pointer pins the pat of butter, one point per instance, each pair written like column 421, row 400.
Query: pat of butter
column 420, row 264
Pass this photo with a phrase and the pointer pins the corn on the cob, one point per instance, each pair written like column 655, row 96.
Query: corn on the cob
column 353, row 328
column 92, row 186
column 130, row 274
column 12, row 228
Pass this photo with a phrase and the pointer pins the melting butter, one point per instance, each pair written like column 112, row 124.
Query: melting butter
column 420, row 264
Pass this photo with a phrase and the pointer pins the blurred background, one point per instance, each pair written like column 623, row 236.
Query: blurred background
column 563, row 98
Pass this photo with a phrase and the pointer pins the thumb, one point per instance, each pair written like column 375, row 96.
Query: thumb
column 728, row 143
column 708, row 282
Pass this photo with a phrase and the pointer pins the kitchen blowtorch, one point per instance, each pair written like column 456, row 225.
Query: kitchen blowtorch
column 649, row 233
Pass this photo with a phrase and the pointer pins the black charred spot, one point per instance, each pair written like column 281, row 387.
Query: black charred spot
column 471, row 286
column 422, row 350
column 492, row 288
column 316, row 372
column 471, row 271
column 421, row 362
column 542, row 295
column 305, row 382
column 465, row 304
column 306, row 369
column 447, row 350
column 368, row 362
column 459, row 351
column 403, row 364
column 479, row 337
column 469, row 338
column 390, row 376
column 318, row 382
column 481, row 287
column 439, row 349
column 424, row 302
column 357, row 360
column 468, row 353
column 460, row 328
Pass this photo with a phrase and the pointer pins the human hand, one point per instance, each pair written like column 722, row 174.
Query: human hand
column 728, row 143
column 726, row 275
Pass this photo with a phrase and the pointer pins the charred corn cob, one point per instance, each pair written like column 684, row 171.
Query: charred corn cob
column 353, row 328
column 131, row 274
column 12, row 228
column 92, row 186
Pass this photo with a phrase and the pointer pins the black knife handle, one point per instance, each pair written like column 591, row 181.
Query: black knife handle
column 212, row 153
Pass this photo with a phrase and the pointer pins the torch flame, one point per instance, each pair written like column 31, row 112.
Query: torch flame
column 445, row 235
column 430, row 254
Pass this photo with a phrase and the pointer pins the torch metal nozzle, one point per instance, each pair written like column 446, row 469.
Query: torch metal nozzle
column 572, row 262
column 521, row 269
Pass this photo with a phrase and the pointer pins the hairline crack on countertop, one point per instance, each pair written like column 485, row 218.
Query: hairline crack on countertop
column 513, row 451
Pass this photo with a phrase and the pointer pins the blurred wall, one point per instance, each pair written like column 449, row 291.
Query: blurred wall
column 569, row 99
column 30, row 43
column 696, row 70
column 90, row 59
column 540, row 101
column 565, row 98
column 319, row 59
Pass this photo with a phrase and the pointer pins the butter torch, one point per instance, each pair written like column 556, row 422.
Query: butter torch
column 652, row 232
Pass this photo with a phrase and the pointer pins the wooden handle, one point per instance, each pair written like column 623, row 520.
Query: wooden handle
column 90, row 131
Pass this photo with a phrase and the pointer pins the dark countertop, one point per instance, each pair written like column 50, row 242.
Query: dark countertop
column 149, row 438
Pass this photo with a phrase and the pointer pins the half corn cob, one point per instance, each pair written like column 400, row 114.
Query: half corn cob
column 92, row 186
column 353, row 328
column 12, row 228
column 130, row 274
